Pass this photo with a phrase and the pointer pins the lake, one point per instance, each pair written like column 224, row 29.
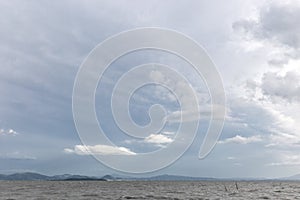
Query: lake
column 149, row 190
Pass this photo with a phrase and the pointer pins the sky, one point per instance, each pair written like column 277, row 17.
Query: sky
column 254, row 44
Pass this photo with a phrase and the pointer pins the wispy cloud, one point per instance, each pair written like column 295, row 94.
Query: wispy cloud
column 99, row 150
column 241, row 140
column 17, row 156
column 231, row 158
column 192, row 114
column 8, row 132
column 286, row 158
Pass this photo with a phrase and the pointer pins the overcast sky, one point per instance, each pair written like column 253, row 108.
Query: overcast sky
column 255, row 45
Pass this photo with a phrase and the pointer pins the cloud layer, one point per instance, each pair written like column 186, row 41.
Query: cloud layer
column 255, row 45
column 99, row 150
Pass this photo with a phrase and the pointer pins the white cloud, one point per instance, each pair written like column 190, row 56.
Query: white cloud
column 178, row 86
column 8, row 132
column 168, row 133
column 187, row 115
column 231, row 158
column 99, row 150
column 286, row 158
column 237, row 164
column 158, row 139
column 189, row 101
column 268, row 102
column 17, row 156
column 282, row 139
column 281, row 86
column 192, row 114
column 241, row 140
column 277, row 96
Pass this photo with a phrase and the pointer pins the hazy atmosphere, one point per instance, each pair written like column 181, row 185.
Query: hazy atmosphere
column 255, row 45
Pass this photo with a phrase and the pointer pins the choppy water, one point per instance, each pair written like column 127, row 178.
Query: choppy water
column 148, row 190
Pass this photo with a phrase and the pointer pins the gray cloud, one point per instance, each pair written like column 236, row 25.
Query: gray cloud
column 43, row 44
column 280, row 22
column 286, row 87
column 277, row 23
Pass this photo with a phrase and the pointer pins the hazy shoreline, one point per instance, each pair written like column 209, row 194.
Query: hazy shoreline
column 28, row 176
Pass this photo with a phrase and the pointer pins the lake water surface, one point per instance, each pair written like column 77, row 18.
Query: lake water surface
column 149, row 190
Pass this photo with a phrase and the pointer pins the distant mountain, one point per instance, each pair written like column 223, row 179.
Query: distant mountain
column 294, row 177
column 61, row 177
column 24, row 176
column 82, row 178
column 2, row 177
column 28, row 176
column 69, row 177
column 109, row 178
